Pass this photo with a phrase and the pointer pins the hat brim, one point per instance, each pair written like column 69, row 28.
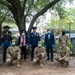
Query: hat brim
column 6, row 27
column 34, row 27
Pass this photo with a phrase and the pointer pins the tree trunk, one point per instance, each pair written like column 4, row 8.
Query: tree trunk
column 1, row 28
column 0, row 33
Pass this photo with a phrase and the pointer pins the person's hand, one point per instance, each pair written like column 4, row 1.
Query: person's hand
column 53, row 45
column 45, row 46
column 1, row 36
column 30, row 45
column 37, row 59
column 60, row 58
column 20, row 46
column 27, row 47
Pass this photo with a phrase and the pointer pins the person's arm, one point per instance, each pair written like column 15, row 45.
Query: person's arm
column 67, row 53
column 35, row 52
column 26, row 40
column 59, row 40
column 2, row 35
column 44, row 52
column 45, row 40
column 68, row 40
column 53, row 39
column 38, row 37
column 19, row 41
column 10, row 35
column 18, row 50
column 30, row 39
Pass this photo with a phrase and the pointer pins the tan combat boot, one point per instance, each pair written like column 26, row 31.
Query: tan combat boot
column 41, row 65
column 18, row 65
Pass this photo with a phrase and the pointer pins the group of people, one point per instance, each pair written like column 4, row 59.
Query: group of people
column 38, row 52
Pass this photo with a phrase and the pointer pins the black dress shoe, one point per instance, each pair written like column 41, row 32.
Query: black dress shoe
column 4, row 61
column 52, row 60
column 47, row 59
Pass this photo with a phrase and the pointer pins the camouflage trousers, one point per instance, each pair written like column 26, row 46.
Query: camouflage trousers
column 17, row 57
column 40, row 61
column 65, row 60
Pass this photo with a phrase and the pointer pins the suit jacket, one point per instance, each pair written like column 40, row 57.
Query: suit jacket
column 33, row 39
column 51, row 41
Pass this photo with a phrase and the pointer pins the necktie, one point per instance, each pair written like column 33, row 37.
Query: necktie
column 48, row 36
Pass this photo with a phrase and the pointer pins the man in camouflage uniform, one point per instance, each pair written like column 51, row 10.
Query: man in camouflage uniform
column 39, row 54
column 65, row 38
column 63, row 54
column 13, row 53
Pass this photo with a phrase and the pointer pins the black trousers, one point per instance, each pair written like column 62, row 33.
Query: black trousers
column 23, row 52
column 50, row 53
column 32, row 52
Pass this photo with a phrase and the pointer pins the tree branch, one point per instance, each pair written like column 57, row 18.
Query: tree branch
column 41, row 13
column 3, row 18
column 5, row 3
column 24, row 5
column 29, row 7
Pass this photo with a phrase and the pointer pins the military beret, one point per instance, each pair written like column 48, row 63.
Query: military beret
column 34, row 27
column 6, row 26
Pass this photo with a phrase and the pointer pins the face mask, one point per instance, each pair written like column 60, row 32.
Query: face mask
column 49, row 31
column 39, row 44
column 23, row 33
column 13, row 43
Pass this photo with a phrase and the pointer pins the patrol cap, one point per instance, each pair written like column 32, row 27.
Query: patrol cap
column 34, row 28
column 6, row 26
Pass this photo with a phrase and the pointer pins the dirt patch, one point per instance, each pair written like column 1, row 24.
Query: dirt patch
column 28, row 68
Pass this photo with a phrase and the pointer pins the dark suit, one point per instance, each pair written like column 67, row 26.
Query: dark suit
column 49, row 42
column 33, row 41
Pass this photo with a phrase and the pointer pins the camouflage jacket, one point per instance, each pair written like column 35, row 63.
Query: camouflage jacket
column 40, row 50
column 64, row 52
column 13, row 50
column 64, row 38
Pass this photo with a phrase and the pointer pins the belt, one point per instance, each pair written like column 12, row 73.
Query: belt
column 7, row 41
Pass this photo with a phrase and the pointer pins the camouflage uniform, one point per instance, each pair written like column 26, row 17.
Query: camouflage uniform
column 39, row 54
column 65, row 54
column 64, row 38
column 13, row 53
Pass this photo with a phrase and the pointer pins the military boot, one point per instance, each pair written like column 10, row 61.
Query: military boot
column 18, row 65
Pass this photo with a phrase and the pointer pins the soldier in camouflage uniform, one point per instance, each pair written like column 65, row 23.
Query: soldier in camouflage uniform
column 65, row 38
column 13, row 53
column 39, row 54
column 63, row 54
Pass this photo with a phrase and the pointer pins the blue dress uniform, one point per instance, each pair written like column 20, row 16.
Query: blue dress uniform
column 6, row 41
column 33, row 41
column 49, row 43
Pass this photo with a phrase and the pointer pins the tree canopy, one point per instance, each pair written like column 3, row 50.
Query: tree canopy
column 26, row 12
